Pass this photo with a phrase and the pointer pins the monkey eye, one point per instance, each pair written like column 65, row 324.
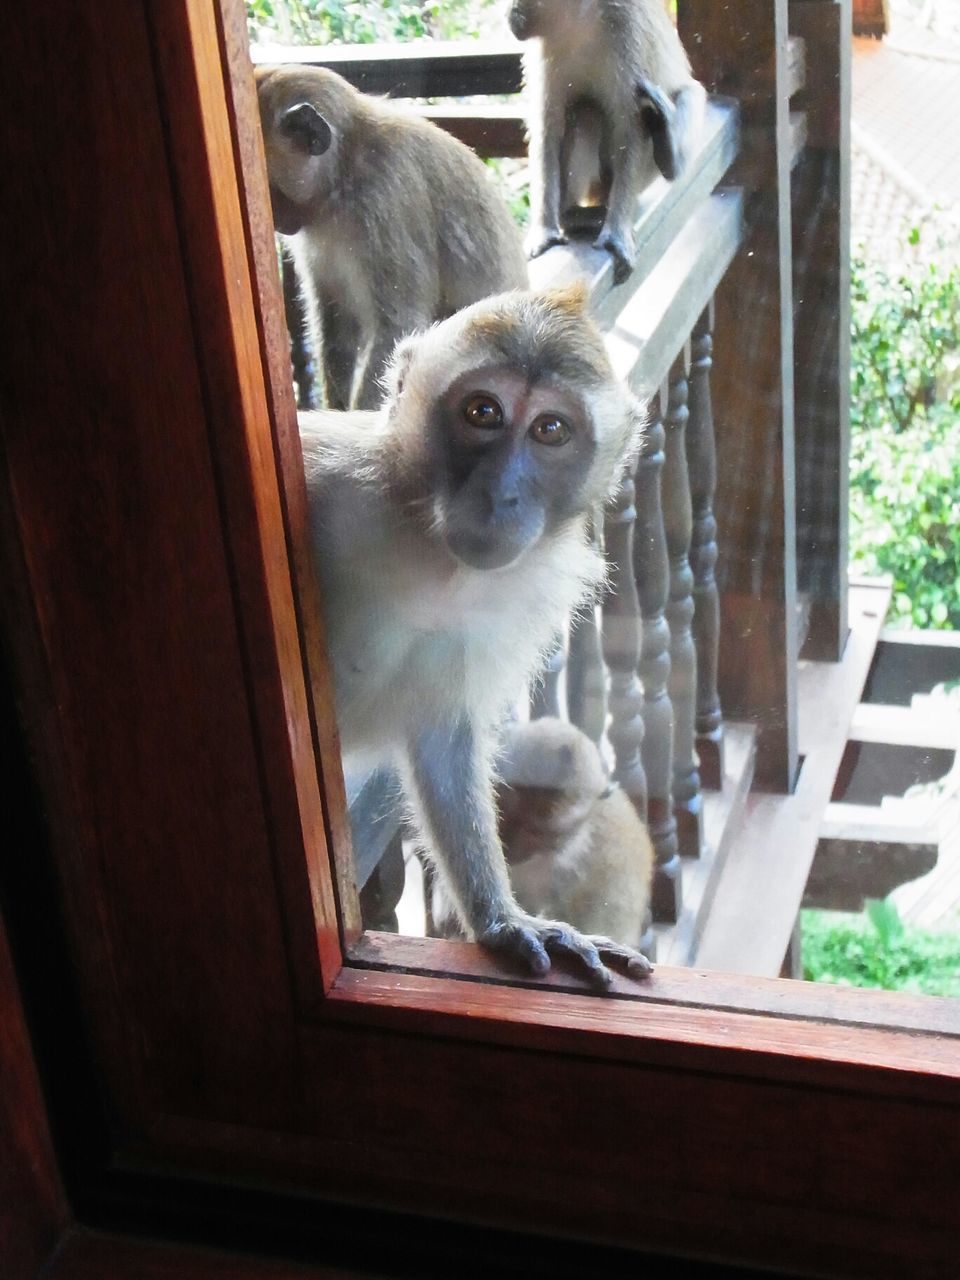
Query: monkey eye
column 550, row 429
column 483, row 411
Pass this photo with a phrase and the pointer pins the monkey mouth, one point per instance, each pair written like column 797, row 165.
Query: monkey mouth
column 485, row 553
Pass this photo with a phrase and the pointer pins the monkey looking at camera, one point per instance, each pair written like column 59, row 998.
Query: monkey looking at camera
column 392, row 223
column 451, row 538
column 575, row 846
column 612, row 99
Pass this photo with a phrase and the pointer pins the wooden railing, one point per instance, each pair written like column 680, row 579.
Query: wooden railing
column 704, row 331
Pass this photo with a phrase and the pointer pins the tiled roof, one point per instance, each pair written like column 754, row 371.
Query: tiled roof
column 905, row 143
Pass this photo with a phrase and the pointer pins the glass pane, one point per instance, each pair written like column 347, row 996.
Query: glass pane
column 739, row 752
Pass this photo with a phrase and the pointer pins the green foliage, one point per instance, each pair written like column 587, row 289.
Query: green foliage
column 906, row 332
column 366, row 21
column 905, row 437
column 512, row 178
column 877, row 949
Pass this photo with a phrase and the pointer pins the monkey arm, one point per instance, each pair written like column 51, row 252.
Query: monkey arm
column 451, row 780
column 450, row 776
column 341, row 337
column 546, row 178
column 616, row 235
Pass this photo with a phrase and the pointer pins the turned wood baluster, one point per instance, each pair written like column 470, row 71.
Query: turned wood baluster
column 545, row 694
column 678, row 524
column 301, row 357
column 652, row 584
column 587, row 676
column 586, row 672
column 621, row 648
column 702, row 464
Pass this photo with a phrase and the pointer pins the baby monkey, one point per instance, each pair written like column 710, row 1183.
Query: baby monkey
column 450, row 532
column 392, row 222
column 575, row 846
column 612, row 98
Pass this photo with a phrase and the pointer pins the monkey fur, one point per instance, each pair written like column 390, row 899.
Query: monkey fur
column 392, row 223
column 575, row 846
column 611, row 100
column 450, row 531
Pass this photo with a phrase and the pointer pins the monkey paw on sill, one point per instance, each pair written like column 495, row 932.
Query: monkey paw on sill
column 532, row 941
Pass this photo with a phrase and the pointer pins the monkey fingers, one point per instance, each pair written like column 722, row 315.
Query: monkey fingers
column 532, row 941
column 540, row 239
column 620, row 250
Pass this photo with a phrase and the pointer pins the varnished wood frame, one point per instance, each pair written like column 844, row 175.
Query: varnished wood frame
column 749, row 1120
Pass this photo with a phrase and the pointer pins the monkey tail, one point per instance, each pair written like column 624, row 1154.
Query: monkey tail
column 690, row 103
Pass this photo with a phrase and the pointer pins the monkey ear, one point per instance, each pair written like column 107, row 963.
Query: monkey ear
column 396, row 372
column 306, row 128
column 658, row 114
column 573, row 298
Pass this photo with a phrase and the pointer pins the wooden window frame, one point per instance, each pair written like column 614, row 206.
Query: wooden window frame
column 272, row 1040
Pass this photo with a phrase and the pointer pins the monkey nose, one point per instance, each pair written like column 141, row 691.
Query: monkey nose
column 496, row 505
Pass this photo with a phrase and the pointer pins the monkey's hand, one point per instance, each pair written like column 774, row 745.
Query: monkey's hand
column 533, row 941
column 621, row 249
column 541, row 238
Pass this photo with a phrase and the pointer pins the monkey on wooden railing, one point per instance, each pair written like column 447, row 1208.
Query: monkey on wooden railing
column 451, row 537
column 612, row 99
column 392, row 223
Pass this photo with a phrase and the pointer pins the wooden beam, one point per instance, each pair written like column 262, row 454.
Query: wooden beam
column 763, row 882
column 871, row 822
column 438, row 69
column 653, row 326
column 494, row 130
column 752, row 384
column 905, row 726
column 821, row 287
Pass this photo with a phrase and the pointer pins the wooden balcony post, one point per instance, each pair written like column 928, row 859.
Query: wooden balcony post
column 678, row 526
column 702, row 465
column 821, row 283
column 652, row 574
column 742, row 52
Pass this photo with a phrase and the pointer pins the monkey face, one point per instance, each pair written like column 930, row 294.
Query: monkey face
column 509, row 458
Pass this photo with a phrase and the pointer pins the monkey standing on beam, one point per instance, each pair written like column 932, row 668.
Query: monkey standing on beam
column 451, row 537
column 611, row 96
column 393, row 224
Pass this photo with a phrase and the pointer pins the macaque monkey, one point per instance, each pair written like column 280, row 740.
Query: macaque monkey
column 612, row 98
column 450, row 531
column 392, row 223
column 575, row 846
